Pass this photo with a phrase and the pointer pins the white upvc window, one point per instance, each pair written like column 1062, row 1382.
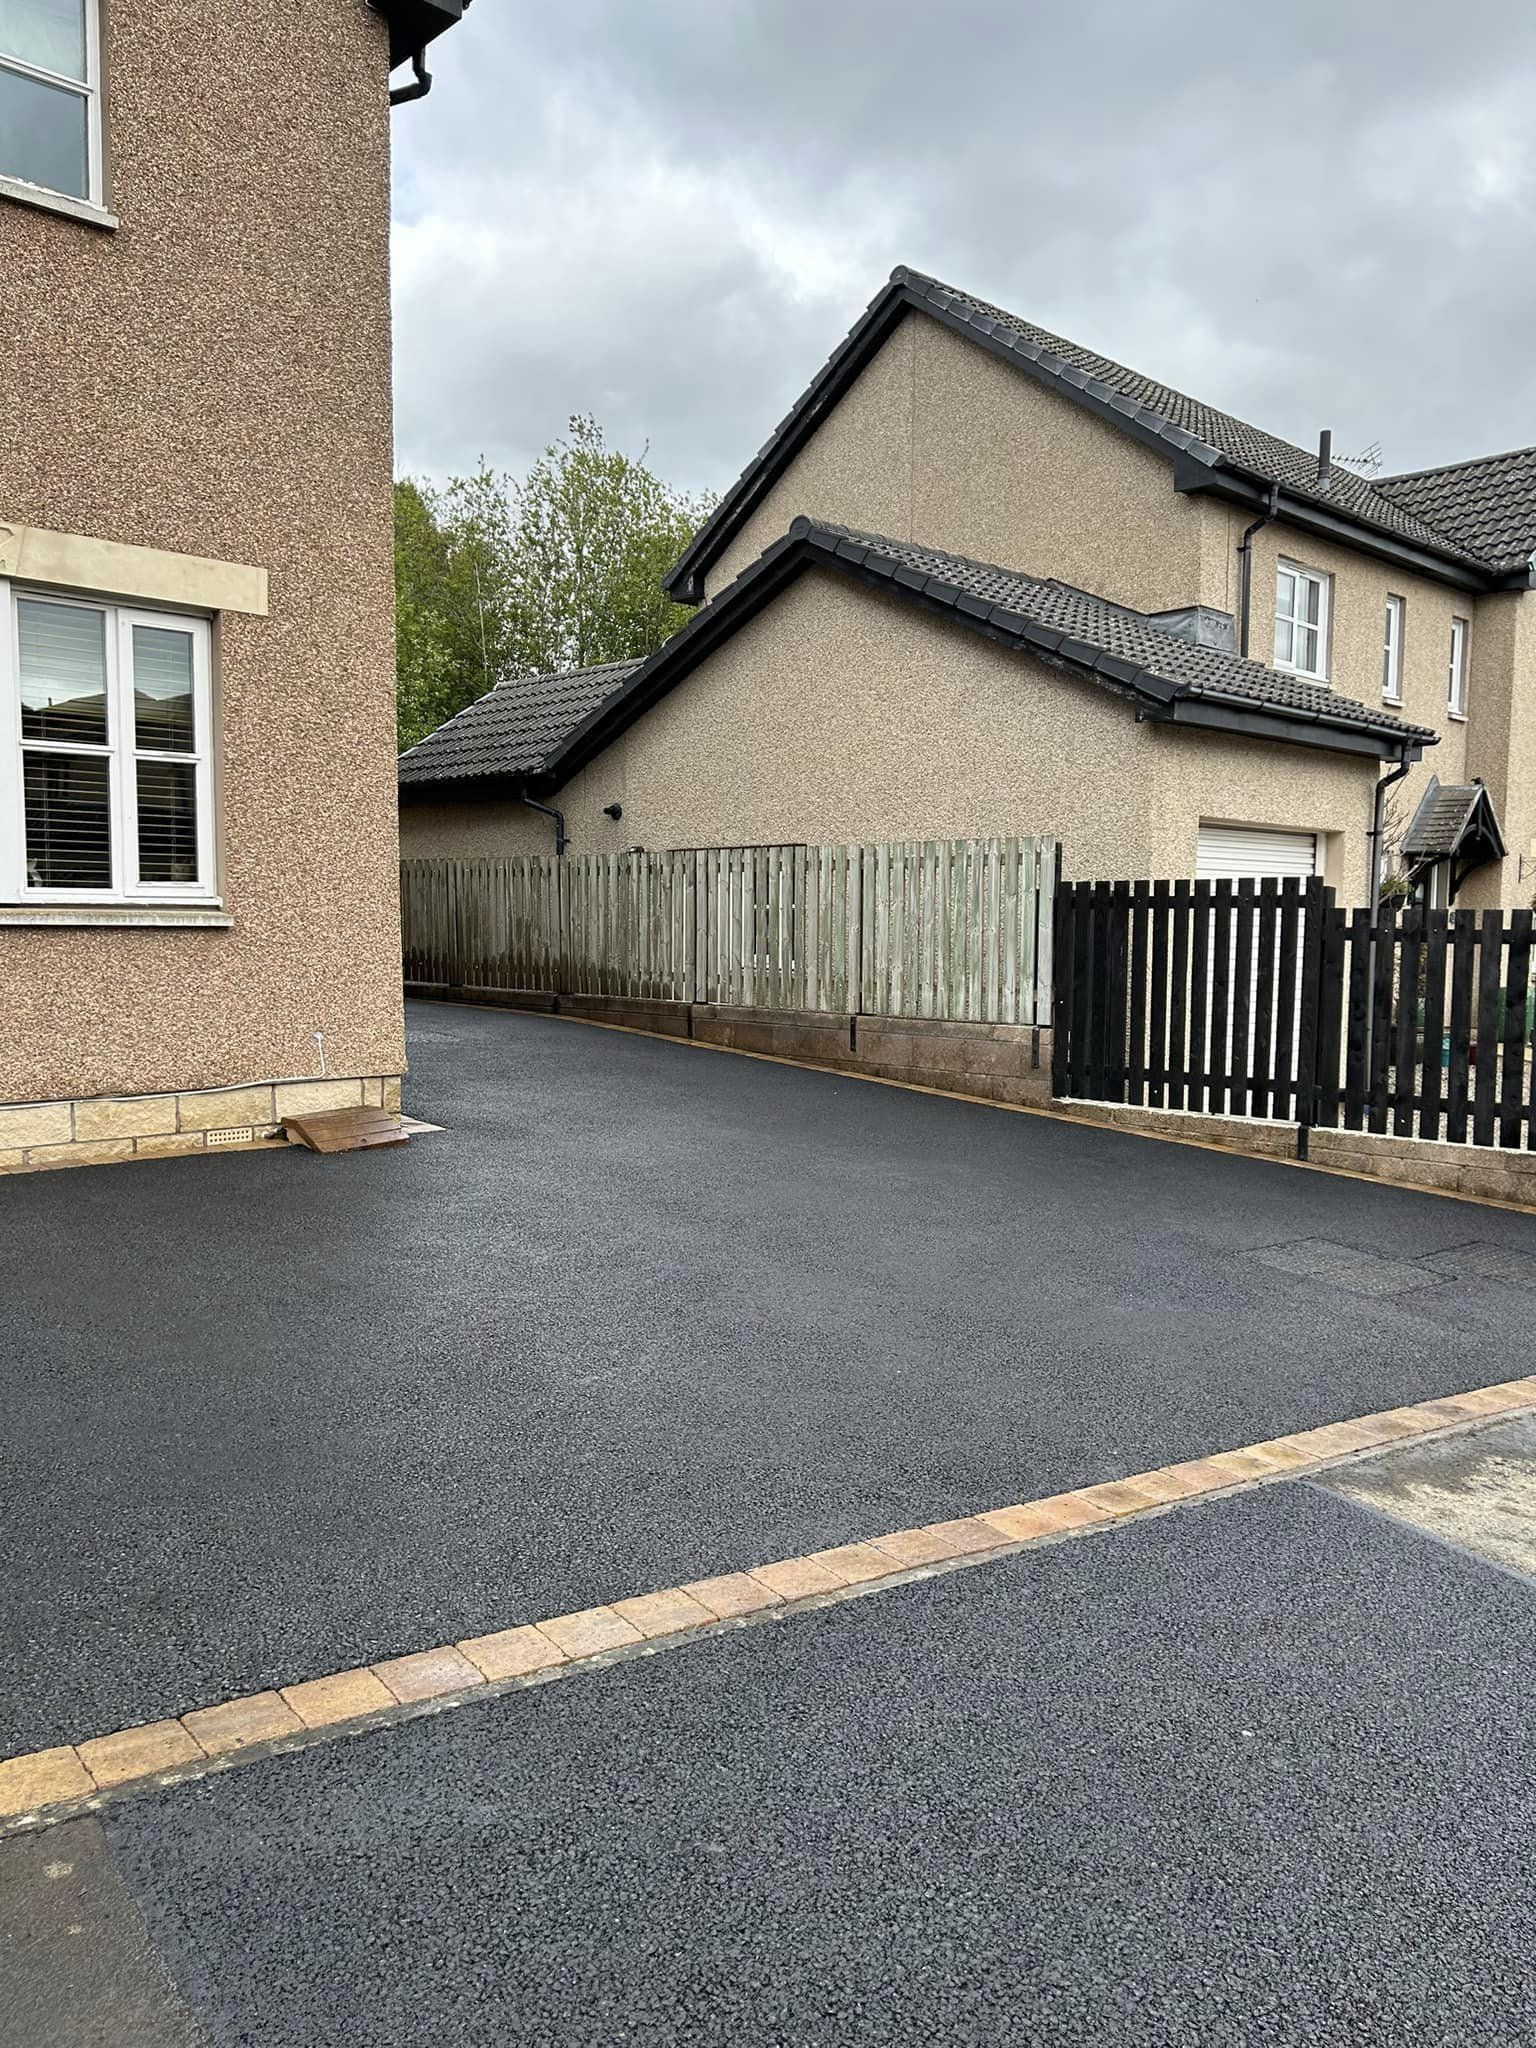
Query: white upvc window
column 1392, row 652
column 106, row 783
column 1456, row 682
column 1301, row 621
column 50, row 96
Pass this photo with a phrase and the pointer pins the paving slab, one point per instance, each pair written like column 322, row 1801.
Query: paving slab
column 639, row 1315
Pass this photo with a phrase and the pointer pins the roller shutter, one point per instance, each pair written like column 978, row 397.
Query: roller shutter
column 1240, row 853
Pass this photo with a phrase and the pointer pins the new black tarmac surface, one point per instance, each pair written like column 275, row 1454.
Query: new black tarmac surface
column 1254, row 1772
column 642, row 1312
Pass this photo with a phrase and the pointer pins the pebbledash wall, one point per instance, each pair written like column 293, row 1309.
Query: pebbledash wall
column 839, row 714
column 209, row 382
column 939, row 442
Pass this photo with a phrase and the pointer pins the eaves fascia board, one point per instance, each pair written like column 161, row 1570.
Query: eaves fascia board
column 1263, row 724
column 722, row 617
column 1197, row 464
column 415, row 23
column 474, row 787
column 684, row 580
column 808, row 546
column 1254, row 493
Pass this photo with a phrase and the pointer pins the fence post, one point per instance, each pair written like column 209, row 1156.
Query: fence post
column 1316, row 900
column 1063, row 1021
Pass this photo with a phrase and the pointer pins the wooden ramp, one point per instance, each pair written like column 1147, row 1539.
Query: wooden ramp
column 346, row 1130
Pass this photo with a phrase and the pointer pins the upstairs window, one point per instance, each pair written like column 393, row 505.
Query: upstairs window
column 105, row 763
column 50, row 96
column 1456, row 689
column 1301, row 621
column 1392, row 652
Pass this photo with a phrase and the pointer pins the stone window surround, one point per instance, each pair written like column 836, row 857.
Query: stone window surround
column 89, row 567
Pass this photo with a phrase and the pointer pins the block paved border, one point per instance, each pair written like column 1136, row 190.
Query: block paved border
column 57, row 1784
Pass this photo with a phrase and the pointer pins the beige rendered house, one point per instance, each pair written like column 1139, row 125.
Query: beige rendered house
column 198, row 885
column 983, row 581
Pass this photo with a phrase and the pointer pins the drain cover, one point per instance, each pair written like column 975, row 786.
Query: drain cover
column 1319, row 1258
column 1484, row 1262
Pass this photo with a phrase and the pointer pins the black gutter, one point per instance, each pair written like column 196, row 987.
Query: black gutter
column 1243, row 487
column 806, row 546
column 412, row 25
column 1197, row 465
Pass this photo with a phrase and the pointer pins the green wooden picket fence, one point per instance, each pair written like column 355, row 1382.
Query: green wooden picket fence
column 946, row 928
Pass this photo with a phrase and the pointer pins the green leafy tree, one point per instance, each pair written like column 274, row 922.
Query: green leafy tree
column 454, row 604
column 596, row 532
column 496, row 579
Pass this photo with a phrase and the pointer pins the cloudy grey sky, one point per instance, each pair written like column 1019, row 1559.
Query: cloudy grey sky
column 667, row 212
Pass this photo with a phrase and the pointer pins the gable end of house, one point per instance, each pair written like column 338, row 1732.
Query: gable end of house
column 1209, row 451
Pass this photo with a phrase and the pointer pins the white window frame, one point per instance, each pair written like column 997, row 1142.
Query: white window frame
column 88, row 89
column 1301, row 574
column 1392, row 650
column 120, row 750
column 1456, row 669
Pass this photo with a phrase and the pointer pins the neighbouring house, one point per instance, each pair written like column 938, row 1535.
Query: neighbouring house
column 198, row 881
column 981, row 580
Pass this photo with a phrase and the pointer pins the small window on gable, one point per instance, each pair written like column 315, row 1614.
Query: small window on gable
column 1392, row 652
column 1456, row 684
column 50, row 96
column 1301, row 621
column 105, row 753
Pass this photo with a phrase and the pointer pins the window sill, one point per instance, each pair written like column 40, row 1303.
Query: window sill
column 1457, row 717
column 145, row 916
column 56, row 202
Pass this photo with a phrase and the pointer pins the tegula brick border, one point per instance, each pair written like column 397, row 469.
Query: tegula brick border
column 57, row 1784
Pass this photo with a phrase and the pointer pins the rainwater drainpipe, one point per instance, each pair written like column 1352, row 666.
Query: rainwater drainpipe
column 562, row 840
column 421, row 87
column 1245, row 566
column 1378, row 812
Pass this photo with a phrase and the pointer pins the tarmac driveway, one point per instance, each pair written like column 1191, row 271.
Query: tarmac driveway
column 1255, row 1772
column 640, row 1313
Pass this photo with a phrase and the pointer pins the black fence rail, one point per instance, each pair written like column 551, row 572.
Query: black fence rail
column 1265, row 999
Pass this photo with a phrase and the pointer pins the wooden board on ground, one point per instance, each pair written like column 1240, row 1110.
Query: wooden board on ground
column 346, row 1130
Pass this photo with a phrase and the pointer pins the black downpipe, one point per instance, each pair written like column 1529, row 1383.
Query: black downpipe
column 1245, row 567
column 1378, row 810
column 422, row 86
column 562, row 841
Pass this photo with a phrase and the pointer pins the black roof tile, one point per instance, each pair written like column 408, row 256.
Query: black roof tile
column 1441, row 521
column 1488, row 505
column 514, row 728
column 1188, row 422
column 1089, row 631
column 1450, row 815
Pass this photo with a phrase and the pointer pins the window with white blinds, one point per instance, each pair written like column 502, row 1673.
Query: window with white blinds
column 105, row 769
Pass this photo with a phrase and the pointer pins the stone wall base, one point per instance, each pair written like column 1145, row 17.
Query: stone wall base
column 1485, row 1170
column 1011, row 1063
column 995, row 1062
column 97, row 1130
